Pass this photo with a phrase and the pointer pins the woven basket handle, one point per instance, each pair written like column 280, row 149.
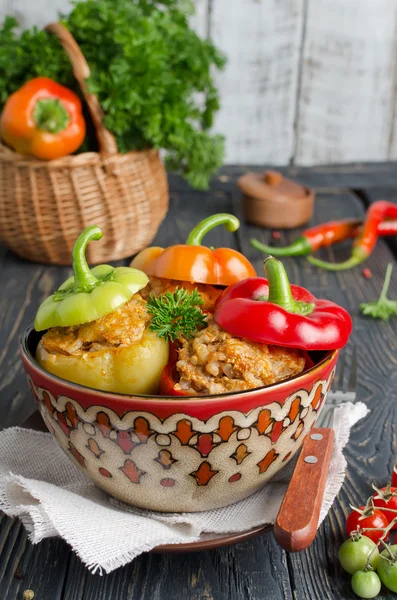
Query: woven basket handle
column 106, row 140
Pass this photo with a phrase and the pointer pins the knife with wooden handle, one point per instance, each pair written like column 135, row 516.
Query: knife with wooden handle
column 297, row 520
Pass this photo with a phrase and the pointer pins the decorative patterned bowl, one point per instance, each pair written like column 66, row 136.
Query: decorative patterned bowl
column 179, row 454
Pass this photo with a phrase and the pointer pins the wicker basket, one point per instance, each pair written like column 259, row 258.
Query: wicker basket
column 45, row 205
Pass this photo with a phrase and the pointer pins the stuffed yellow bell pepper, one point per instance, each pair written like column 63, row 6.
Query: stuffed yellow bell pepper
column 98, row 328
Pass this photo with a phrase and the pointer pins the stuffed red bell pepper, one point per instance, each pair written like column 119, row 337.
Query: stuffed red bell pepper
column 271, row 311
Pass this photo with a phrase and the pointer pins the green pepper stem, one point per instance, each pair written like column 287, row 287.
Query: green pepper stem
column 84, row 280
column 280, row 289
column 50, row 115
column 358, row 256
column 301, row 247
column 196, row 235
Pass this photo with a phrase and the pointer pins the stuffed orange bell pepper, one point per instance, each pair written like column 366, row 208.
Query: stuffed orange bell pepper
column 43, row 119
column 195, row 263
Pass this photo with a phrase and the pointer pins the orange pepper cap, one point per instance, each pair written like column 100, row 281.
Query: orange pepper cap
column 195, row 263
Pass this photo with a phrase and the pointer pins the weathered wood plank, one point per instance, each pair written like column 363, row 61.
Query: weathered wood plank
column 39, row 12
column 200, row 19
column 392, row 154
column 315, row 573
column 41, row 568
column 332, row 177
column 345, row 107
column 261, row 39
column 42, row 12
column 215, row 575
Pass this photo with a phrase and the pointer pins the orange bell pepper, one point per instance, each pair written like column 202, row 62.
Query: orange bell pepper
column 43, row 119
column 195, row 263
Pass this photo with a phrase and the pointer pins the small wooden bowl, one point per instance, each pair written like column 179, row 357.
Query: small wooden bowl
column 271, row 200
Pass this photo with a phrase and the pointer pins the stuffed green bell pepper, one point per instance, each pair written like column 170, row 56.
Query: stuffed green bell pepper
column 98, row 328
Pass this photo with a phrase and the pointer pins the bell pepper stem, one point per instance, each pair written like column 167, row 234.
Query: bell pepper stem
column 301, row 247
column 280, row 289
column 84, row 280
column 50, row 115
column 196, row 235
column 358, row 256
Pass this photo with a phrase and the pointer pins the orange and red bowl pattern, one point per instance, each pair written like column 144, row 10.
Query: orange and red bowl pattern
column 179, row 454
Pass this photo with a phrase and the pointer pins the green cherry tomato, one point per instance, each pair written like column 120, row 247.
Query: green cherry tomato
column 353, row 554
column 387, row 571
column 366, row 584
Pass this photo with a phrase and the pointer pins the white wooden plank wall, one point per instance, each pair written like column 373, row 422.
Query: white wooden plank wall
column 262, row 42
column 348, row 81
column 34, row 12
column 307, row 82
column 200, row 21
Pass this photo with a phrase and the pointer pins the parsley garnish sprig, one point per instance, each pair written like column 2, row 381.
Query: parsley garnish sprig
column 383, row 308
column 176, row 314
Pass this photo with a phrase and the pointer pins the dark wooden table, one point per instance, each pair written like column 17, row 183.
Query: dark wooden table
column 257, row 569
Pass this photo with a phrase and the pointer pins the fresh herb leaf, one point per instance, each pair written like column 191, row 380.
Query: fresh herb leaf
column 152, row 73
column 383, row 308
column 176, row 314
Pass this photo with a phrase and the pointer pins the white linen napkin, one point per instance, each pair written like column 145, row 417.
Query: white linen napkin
column 40, row 485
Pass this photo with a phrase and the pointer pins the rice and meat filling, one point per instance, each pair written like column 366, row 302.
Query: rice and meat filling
column 157, row 285
column 120, row 328
column 212, row 362
column 215, row 362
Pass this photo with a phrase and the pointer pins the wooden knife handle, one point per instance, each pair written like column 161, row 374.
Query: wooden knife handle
column 297, row 520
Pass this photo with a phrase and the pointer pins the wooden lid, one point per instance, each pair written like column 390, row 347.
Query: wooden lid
column 271, row 200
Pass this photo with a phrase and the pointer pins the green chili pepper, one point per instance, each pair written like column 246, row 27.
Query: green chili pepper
column 90, row 293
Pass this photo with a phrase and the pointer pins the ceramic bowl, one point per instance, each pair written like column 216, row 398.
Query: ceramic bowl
column 179, row 454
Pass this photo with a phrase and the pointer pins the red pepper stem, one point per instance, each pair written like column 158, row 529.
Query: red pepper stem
column 301, row 247
column 196, row 235
column 84, row 280
column 280, row 289
column 358, row 256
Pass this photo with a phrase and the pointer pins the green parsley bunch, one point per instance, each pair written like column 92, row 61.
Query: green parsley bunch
column 151, row 72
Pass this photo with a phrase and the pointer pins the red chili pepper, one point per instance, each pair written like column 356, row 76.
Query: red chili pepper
column 324, row 235
column 169, row 376
column 387, row 228
column 366, row 241
column 273, row 312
